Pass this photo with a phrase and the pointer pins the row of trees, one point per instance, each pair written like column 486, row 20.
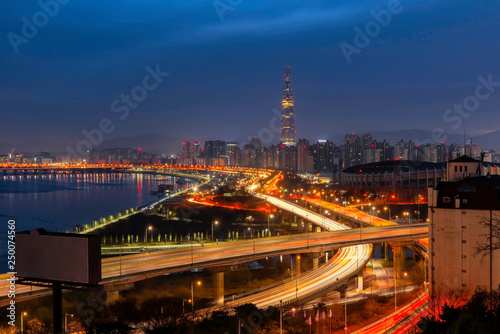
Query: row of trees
column 479, row 314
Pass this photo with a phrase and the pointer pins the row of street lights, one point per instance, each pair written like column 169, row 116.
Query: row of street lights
column 151, row 228
column 215, row 222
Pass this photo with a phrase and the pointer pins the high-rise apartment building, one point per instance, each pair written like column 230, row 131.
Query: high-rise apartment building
column 323, row 156
column 305, row 159
column 351, row 150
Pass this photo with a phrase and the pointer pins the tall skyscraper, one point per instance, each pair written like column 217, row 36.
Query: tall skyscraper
column 287, row 112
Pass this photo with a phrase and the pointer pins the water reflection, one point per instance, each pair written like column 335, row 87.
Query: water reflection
column 64, row 200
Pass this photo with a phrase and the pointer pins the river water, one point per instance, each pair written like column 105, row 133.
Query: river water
column 60, row 202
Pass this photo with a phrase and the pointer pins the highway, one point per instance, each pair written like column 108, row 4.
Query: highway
column 351, row 212
column 333, row 274
column 354, row 252
column 399, row 317
column 412, row 312
column 348, row 260
column 141, row 266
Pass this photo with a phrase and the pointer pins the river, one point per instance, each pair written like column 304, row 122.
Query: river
column 60, row 202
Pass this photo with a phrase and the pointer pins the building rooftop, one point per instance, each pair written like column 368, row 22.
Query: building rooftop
column 465, row 158
column 474, row 193
column 394, row 166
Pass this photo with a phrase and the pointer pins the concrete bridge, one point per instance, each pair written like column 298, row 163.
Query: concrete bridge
column 55, row 170
column 132, row 268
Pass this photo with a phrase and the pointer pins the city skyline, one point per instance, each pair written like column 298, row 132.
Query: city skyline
column 159, row 173
column 53, row 89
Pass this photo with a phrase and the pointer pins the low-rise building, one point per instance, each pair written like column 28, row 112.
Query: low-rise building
column 461, row 211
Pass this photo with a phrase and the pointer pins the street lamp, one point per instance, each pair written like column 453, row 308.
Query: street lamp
column 345, row 311
column 395, row 291
column 216, row 223
column 146, row 238
column 268, row 229
column 185, row 300
column 323, row 220
column 281, row 317
column 409, row 216
column 198, row 283
column 297, row 286
column 385, row 209
column 66, row 321
column 23, row 314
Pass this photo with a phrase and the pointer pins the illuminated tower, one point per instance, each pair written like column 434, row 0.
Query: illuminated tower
column 287, row 112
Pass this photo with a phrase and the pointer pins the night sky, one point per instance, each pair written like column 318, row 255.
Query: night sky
column 226, row 69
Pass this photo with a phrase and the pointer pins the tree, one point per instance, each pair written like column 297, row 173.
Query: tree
column 219, row 322
column 477, row 315
column 118, row 317
column 35, row 326
column 491, row 239
column 158, row 313
column 372, row 307
column 8, row 330
column 269, row 327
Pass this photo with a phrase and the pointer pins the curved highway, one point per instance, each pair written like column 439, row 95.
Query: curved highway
column 141, row 266
column 131, row 268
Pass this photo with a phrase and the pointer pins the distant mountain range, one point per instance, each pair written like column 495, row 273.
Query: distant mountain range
column 152, row 143
column 165, row 144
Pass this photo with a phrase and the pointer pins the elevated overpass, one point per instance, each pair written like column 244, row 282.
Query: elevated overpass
column 132, row 268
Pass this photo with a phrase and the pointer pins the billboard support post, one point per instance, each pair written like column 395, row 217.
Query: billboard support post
column 57, row 307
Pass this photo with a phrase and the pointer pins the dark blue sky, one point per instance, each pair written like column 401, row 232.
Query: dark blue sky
column 226, row 75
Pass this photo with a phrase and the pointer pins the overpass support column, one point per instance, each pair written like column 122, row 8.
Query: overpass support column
column 112, row 296
column 315, row 262
column 219, row 287
column 398, row 260
column 386, row 251
column 219, row 282
column 360, row 280
column 113, row 291
column 297, row 264
column 342, row 289
column 315, row 259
